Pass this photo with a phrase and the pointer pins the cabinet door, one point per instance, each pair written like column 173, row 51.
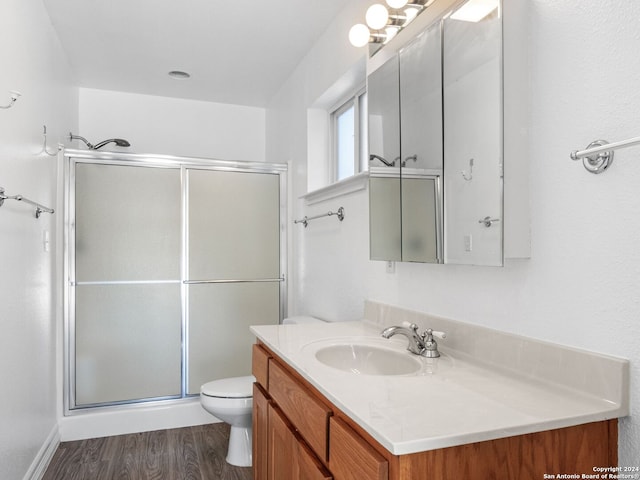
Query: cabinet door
column 307, row 465
column 289, row 457
column 260, row 437
column 282, row 446
column 351, row 457
column 307, row 414
column 473, row 138
column 383, row 90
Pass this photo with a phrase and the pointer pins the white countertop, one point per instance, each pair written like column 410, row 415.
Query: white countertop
column 452, row 401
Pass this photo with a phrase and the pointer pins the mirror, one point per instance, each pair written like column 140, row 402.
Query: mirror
column 421, row 148
column 383, row 93
column 472, row 98
column 436, row 178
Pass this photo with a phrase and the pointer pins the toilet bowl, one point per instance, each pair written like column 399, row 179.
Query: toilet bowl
column 231, row 400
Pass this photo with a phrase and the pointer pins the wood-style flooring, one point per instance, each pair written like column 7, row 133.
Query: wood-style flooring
column 191, row 453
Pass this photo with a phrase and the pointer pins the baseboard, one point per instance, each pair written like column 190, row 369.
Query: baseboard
column 44, row 456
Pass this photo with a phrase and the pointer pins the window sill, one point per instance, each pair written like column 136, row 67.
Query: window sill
column 343, row 187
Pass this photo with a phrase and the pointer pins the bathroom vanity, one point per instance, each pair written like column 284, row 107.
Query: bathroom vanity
column 454, row 417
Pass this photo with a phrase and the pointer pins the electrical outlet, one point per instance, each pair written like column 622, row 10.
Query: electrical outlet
column 45, row 240
column 391, row 267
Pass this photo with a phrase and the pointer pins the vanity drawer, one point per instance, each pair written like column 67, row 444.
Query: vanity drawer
column 351, row 457
column 260, row 365
column 309, row 416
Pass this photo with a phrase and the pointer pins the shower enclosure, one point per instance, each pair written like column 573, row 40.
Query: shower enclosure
column 168, row 261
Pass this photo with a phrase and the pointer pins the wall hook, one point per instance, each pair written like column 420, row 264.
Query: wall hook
column 44, row 144
column 464, row 175
column 14, row 96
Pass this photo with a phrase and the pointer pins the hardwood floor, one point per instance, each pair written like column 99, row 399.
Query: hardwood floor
column 191, row 453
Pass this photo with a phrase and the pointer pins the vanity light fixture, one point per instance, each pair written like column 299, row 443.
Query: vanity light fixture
column 474, row 10
column 383, row 24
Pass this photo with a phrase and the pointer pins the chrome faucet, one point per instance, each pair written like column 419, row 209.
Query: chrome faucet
column 424, row 344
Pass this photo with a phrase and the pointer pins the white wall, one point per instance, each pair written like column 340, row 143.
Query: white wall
column 34, row 64
column 172, row 126
column 580, row 287
column 330, row 62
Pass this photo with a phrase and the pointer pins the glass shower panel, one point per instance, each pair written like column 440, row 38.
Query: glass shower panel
column 126, row 283
column 127, row 223
column 234, row 246
column 128, row 342
column 168, row 264
column 234, row 225
column 219, row 319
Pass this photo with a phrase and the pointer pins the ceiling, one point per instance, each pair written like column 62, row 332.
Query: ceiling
column 237, row 51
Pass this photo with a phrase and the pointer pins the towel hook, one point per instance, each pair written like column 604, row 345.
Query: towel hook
column 44, row 143
column 464, row 175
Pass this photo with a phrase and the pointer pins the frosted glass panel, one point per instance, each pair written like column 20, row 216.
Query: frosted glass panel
column 219, row 320
column 385, row 242
column 127, row 223
column 128, row 342
column 419, row 220
column 234, row 225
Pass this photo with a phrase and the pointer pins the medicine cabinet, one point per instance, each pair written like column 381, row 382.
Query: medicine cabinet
column 436, row 145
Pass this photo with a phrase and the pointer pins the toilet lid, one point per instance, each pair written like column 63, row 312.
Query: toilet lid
column 236, row 387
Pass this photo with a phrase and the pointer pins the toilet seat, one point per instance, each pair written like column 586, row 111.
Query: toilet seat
column 235, row 387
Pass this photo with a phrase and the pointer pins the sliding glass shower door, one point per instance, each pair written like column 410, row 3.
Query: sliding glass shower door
column 127, row 283
column 233, row 273
column 168, row 264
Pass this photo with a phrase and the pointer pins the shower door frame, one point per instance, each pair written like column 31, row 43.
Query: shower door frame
column 70, row 158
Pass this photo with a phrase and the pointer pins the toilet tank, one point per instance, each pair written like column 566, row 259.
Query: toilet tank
column 301, row 319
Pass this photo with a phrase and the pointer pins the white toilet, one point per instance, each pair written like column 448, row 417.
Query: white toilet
column 231, row 400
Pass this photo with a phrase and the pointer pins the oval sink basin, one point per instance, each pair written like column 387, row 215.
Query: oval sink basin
column 368, row 360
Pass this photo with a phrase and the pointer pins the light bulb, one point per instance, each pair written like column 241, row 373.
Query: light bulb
column 397, row 3
column 377, row 16
column 474, row 10
column 391, row 32
column 359, row 35
column 411, row 13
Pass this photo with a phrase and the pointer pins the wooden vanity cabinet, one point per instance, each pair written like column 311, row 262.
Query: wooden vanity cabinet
column 299, row 434
column 279, row 450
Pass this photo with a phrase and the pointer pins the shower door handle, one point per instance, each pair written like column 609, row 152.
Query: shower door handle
column 255, row 280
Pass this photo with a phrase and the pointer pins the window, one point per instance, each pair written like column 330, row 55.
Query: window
column 349, row 137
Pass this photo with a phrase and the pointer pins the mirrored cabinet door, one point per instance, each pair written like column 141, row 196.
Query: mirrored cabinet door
column 472, row 99
column 421, row 147
column 383, row 92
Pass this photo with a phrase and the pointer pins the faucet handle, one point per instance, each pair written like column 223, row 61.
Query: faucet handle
column 430, row 345
column 410, row 325
column 436, row 333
